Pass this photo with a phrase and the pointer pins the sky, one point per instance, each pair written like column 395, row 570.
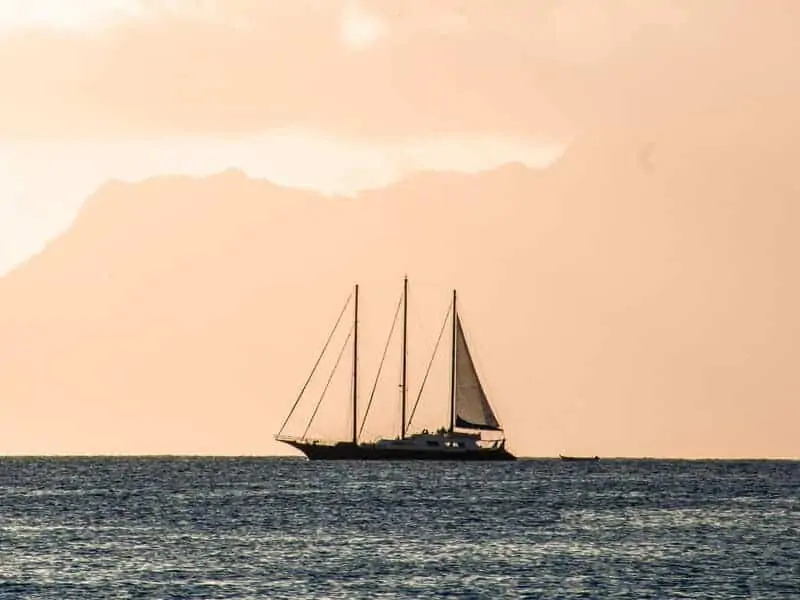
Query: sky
column 339, row 96
column 56, row 148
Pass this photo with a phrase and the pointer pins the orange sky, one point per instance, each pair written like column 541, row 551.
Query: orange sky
column 686, row 107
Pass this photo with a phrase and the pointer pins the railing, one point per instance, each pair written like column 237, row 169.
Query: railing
column 304, row 440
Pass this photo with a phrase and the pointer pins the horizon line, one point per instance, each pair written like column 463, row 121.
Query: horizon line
column 304, row 459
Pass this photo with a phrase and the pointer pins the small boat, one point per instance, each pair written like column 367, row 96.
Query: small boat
column 578, row 458
column 470, row 411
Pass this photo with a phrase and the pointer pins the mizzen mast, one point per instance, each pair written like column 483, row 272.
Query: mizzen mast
column 405, row 356
column 453, row 368
column 355, row 367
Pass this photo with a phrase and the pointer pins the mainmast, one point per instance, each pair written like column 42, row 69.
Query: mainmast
column 405, row 355
column 355, row 367
column 452, row 368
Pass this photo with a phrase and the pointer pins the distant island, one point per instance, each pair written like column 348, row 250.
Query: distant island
column 637, row 311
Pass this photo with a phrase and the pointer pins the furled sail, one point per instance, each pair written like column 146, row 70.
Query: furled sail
column 472, row 407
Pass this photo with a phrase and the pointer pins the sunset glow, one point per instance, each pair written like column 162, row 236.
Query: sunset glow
column 360, row 29
column 61, row 14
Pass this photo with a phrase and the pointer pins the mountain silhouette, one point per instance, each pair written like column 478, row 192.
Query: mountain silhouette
column 616, row 310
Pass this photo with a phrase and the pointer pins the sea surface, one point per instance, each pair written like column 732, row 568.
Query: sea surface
column 271, row 528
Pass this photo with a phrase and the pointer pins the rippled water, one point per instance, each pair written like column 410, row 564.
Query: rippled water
column 284, row 528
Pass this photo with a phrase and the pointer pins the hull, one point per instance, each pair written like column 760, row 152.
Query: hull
column 579, row 458
column 350, row 451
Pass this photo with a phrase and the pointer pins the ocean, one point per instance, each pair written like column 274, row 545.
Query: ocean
column 246, row 528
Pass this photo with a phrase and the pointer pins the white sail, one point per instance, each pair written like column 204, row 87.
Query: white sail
column 472, row 409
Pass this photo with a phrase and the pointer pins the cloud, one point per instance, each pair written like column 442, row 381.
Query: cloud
column 511, row 68
column 85, row 15
column 360, row 29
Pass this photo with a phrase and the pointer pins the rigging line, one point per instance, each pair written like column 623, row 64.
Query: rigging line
column 330, row 377
column 380, row 366
column 316, row 364
column 430, row 364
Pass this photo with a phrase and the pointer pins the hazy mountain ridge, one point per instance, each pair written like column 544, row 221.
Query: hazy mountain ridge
column 598, row 289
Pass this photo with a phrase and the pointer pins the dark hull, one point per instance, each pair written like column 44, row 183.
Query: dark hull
column 580, row 458
column 350, row 451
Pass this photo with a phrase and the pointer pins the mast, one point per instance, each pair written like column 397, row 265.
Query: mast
column 355, row 367
column 405, row 354
column 452, row 369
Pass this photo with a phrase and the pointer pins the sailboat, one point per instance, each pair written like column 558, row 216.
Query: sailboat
column 470, row 411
